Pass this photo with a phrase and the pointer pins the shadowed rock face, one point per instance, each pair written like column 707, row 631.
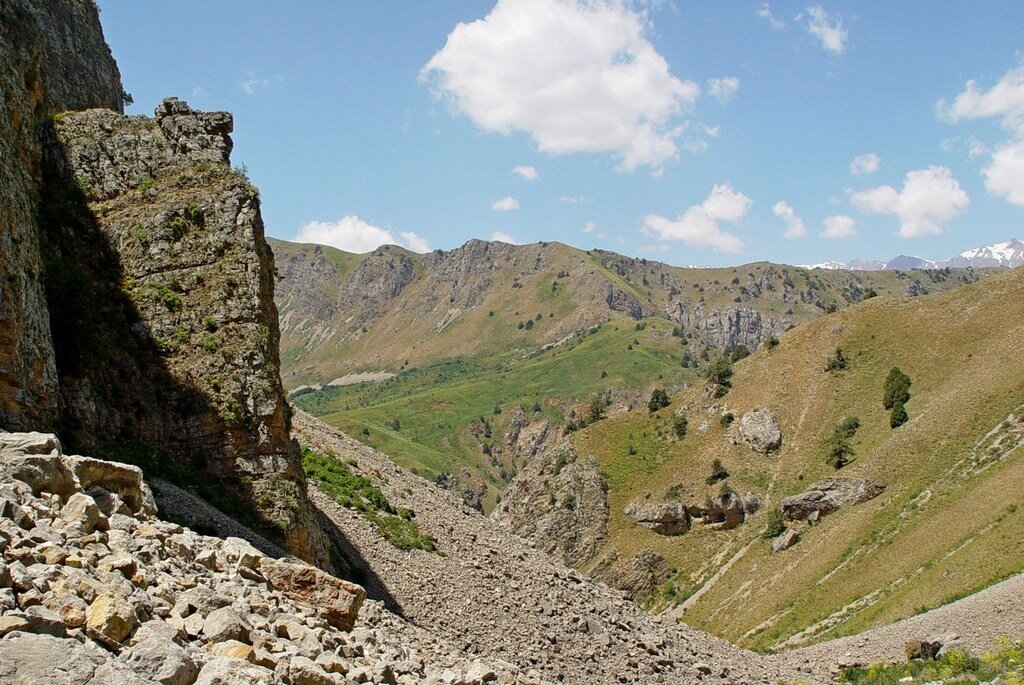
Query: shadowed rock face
column 160, row 290
column 52, row 58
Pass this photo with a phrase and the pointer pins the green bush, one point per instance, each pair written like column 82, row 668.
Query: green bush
column 659, row 400
column 719, row 373
column 740, row 352
column 896, row 389
column 718, row 472
column 355, row 492
column 774, row 525
column 898, row 417
column 837, row 362
column 680, row 426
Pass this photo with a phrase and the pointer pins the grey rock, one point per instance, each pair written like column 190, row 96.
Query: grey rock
column 27, row 659
column 664, row 518
column 228, row 671
column 226, row 624
column 828, row 495
column 761, row 431
column 787, row 539
column 161, row 660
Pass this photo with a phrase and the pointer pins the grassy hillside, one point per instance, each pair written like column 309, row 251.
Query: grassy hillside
column 466, row 330
column 431, row 419
column 949, row 522
column 390, row 309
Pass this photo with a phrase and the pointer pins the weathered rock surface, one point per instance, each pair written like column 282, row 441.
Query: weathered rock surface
column 760, row 429
column 559, row 503
column 727, row 327
column 637, row 577
column 664, row 518
column 176, row 343
column 785, row 540
column 52, row 58
column 828, row 495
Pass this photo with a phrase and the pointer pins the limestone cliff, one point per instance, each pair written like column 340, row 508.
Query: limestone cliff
column 160, row 291
column 52, row 58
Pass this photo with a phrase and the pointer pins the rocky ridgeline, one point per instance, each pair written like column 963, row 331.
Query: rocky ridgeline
column 95, row 589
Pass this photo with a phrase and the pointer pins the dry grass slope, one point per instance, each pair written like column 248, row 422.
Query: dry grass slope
column 949, row 522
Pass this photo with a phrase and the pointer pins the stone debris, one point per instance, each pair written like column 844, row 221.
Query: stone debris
column 94, row 589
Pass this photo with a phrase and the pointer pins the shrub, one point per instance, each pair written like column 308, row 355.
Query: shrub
column 896, row 389
column 718, row 472
column 898, row 417
column 659, row 400
column 771, row 343
column 595, row 412
column 774, row 525
column 837, row 362
column 679, row 426
column 719, row 373
column 726, row 419
column 837, row 448
column 740, row 352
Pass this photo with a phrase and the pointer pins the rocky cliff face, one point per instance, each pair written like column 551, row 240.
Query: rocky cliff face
column 52, row 58
column 160, row 293
column 559, row 504
column 728, row 327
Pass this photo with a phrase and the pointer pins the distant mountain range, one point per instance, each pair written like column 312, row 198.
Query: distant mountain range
column 1010, row 253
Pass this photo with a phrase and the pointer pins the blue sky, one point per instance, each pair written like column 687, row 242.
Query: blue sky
column 670, row 130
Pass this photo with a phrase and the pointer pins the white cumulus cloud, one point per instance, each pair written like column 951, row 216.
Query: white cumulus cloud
column 865, row 164
column 1005, row 175
column 827, row 28
column 252, row 83
column 839, row 226
column 505, row 204
column 794, row 224
column 1004, row 100
column 572, row 199
column 527, row 173
column 930, row 199
column 352, row 234
column 765, row 12
column 699, row 226
column 577, row 75
column 722, row 89
column 504, row 238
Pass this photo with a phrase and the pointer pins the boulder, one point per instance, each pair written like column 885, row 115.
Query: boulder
column 124, row 480
column 21, row 444
column 225, row 670
column 787, row 539
column 161, row 660
column 110, row 618
column 828, row 495
column 336, row 600
column 303, row 671
column 724, row 512
column 761, row 431
column 664, row 518
column 46, row 660
column 226, row 624
column 82, row 509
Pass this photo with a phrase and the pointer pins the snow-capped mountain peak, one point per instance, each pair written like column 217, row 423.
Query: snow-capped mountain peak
column 1009, row 253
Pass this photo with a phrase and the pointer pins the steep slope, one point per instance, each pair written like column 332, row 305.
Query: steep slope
column 947, row 523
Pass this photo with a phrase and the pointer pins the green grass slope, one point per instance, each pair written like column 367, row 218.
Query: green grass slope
column 949, row 523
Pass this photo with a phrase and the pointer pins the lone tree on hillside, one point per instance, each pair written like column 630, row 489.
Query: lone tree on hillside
column 659, row 400
column 679, row 426
column 837, row 447
column 896, row 395
column 897, row 388
column 837, row 362
column 718, row 374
